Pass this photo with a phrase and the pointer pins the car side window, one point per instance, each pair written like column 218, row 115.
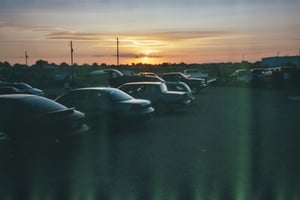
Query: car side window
column 69, row 98
column 178, row 77
column 140, row 89
column 99, row 98
column 153, row 89
column 130, row 89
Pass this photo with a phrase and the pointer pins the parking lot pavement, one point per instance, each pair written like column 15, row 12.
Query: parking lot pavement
column 234, row 143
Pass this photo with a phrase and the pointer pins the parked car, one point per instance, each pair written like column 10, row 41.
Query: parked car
column 162, row 99
column 25, row 117
column 182, row 87
column 195, row 73
column 9, row 90
column 107, row 106
column 196, row 84
column 250, row 78
column 240, row 76
column 118, row 81
column 24, row 88
column 147, row 74
column 110, row 72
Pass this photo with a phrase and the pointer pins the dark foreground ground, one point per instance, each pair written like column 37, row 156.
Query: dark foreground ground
column 234, row 143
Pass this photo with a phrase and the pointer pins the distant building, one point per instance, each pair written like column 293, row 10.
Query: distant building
column 271, row 62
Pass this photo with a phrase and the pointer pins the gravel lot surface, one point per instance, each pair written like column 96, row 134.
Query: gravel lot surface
column 233, row 143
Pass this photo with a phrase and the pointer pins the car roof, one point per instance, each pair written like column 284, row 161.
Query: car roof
column 103, row 89
column 95, row 88
column 17, row 96
column 143, row 83
column 186, row 70
column 172, row 73
column 21, row 97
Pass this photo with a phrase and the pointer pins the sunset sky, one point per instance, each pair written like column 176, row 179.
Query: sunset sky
column 152, row 31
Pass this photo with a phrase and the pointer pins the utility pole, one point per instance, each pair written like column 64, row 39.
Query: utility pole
column 118, row 51
column 26, row 57
column 71, row 44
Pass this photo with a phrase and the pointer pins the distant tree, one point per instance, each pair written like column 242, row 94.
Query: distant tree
column 95, row 64
column 63, row 65
column 5, row 64
column 103, row 65
column 41, row 62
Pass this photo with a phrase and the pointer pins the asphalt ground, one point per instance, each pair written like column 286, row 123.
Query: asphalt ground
column 233, row 143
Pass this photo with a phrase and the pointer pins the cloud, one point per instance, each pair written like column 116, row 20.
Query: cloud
column 73, row 35
column 9, row 25
column 188, row 34
column 26, row 27
column 141, row 38
column 131, row 55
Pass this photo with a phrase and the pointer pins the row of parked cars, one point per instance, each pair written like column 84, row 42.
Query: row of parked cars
column 195, row 84
column 132, row 101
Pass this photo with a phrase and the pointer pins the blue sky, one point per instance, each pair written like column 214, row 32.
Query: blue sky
column 151, row 31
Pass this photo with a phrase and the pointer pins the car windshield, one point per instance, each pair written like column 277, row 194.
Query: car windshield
column 37, row 105
column 118, row 95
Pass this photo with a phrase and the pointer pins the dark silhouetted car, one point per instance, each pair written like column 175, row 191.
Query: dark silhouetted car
column 196, row 84
column 252, row 78
column 118, row 81
column 108, row 106
column 25, row 117
column 9, row 90
column 24, row 88
column 147, row 74
column 157, row 92
column 112, row 72
column 196, row 73
column 28, row 89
